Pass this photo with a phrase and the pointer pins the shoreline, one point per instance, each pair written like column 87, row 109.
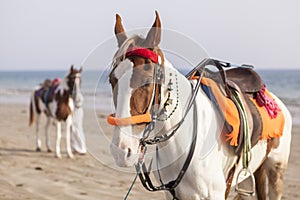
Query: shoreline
column 27, row 174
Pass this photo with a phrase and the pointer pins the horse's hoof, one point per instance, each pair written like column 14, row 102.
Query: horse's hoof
column 71, row 156
column 58, row 156
column 49, row 150
column 79, row 153
column 38, row 149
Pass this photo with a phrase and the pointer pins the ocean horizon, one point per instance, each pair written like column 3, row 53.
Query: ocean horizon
column 16, row 86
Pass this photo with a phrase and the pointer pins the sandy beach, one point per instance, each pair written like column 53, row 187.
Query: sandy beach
column 27, row 174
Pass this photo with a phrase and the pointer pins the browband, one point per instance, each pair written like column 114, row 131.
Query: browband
column 142, row 52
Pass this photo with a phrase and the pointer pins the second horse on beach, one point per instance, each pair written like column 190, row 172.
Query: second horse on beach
column 57, row 100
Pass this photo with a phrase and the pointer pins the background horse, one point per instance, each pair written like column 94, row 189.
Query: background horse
column 58, row 104
column 151, row 99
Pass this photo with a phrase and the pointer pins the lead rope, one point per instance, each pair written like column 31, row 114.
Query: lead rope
column 131, row 186
column 138, row 171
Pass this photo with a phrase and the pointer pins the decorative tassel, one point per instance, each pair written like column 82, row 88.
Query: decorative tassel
column 263, row 99
column 233, row 137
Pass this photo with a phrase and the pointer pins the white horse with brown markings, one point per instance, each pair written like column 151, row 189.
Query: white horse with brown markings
column 57, row 105
column 155, row 104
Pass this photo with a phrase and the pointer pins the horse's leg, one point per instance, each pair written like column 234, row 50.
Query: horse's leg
column 275, row 170
column 260, row 183
column 276, row 164
column 37, row 130
column 68, row 136
column 47, row 134
column 58, row 138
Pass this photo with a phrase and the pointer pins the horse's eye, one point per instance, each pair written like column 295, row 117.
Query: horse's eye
column 147, row 67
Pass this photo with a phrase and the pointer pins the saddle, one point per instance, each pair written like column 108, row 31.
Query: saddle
column 46, row 93
column 246, row 78
column 220, row 86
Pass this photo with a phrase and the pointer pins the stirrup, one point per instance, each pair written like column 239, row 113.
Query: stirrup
column 242, row 191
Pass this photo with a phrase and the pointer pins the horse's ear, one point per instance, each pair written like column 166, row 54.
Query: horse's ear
column 119, row 30
column 72, row 68
column 154, row 35
column 80, row 70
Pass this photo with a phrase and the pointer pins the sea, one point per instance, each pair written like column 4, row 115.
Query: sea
column 16, row 87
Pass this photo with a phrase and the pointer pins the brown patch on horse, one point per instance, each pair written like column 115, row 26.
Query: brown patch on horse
column 36, row 103
column 140, row 100
column 272, row 144
column 63, row 110
column 142, row 83
column 31, row 114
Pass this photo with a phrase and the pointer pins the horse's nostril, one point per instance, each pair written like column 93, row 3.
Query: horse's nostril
column 129, row 153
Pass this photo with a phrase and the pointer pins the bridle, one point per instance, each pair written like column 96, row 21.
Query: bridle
column 151, row 116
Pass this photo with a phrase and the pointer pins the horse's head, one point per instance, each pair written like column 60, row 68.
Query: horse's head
column 73, row 85
column 134, row 79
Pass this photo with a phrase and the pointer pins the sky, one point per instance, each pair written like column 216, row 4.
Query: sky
column 46, row 35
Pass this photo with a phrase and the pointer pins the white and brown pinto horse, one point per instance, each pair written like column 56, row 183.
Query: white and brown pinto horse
column 149, row 104
column 59, row 107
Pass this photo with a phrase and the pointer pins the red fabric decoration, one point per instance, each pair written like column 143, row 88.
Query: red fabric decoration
column 268, row 103
column 142, row 52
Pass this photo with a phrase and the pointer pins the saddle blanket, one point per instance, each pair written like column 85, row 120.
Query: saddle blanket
column 272, row 120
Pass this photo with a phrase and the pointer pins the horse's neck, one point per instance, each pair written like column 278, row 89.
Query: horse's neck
column 176, row 92
column 174, row 152
column 181, row 94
